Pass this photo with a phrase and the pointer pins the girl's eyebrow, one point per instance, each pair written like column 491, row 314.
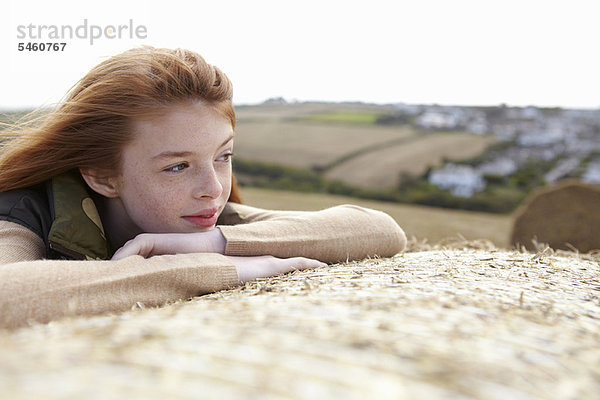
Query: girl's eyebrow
column 228, row 139
column 174, row 154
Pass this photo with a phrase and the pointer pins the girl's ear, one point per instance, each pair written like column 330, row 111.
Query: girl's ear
column 100, row 182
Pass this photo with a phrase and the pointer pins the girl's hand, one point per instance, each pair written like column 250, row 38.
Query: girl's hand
column 250, row 268
column 152, row 244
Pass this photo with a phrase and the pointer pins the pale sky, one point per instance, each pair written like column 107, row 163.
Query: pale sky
column 465, row 52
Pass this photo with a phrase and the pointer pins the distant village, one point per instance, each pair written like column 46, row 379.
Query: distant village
column 567, row 140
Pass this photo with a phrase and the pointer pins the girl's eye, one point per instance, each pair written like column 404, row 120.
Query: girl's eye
column 225, row 157
column 177, row 168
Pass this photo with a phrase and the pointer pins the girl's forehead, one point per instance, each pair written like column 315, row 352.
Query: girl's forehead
column 196, row 130
column 182, row 121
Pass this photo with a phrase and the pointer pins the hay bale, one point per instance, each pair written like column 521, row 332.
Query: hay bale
column 442, row 324
column 564, row 216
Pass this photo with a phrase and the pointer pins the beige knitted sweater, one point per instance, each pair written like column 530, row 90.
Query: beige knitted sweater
column 36, row 290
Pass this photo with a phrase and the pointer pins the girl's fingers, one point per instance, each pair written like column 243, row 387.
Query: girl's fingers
column 250, row 268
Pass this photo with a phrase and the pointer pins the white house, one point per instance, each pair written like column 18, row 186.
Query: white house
column 461, row 180
column 437, row 120
column 502, row 166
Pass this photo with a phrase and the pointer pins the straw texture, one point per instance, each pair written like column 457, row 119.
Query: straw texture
column 468, row 322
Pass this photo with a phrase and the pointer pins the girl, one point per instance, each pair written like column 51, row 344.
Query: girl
column 125, row 194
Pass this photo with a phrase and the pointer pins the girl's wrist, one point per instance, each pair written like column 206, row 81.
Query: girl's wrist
column 217, row 240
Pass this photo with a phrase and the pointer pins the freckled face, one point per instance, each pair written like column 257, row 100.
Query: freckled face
column 176, row 173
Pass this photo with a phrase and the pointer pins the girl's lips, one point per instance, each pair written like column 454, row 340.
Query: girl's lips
column 205, row 218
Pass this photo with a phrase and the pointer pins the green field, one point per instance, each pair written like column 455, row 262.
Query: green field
column 344, row 117
column 305, row 110
column 424, row 223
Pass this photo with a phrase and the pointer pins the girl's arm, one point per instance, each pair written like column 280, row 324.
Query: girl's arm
column 44, row 290
column 332, row 235
column 19, row 244
column 336, row 234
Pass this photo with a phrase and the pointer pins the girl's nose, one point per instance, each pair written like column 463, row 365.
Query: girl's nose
column 208, row 185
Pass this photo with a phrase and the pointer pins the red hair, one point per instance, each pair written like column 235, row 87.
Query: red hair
column 92, row 125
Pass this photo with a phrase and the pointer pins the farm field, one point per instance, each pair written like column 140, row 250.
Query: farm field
column 424, row 223
column 302, row 110
column 306, row 144
column 344, row 141
column 382, row 168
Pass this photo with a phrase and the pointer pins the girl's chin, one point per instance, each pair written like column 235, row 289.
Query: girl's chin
column 192, row 229
column 205, row 229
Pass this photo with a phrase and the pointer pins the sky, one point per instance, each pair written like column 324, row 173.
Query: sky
column 454, row 52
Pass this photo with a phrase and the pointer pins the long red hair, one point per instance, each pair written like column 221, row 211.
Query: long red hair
column 92, row 125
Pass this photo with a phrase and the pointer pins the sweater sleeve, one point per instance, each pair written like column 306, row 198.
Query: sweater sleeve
column 44, row 290
column 335, row 234
column 18, row 243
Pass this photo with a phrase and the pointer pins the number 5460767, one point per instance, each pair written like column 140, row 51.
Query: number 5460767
column 34, row 46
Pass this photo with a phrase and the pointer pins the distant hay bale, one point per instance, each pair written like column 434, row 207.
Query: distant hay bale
column 564, row 216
